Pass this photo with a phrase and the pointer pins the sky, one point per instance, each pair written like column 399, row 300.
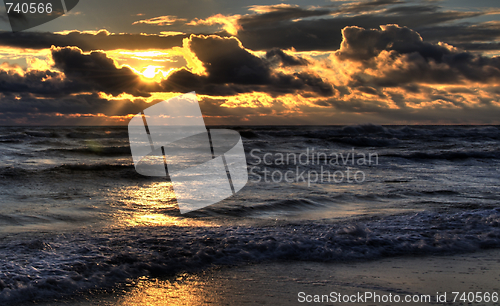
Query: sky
column 320, row 62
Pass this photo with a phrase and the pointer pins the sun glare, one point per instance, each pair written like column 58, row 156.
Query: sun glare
column 155, row 72
column 151, row 71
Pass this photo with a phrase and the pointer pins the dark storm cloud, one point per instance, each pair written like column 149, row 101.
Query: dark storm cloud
column 364, row 6
column 363, row 44
column 77, row 73
column 468, row 36
column 46, row 83
column 99, row 72
column 279, row 56
column 478, row 46
column 78, row 104
column 283, row 26
column 410, row 59
column 87, row 41
column 273, row 14
column 286, row 26
column 230, row 69
column 411, row 9
column 325, row 34
column 38, row 82
column 435, row 114
column 276, row 14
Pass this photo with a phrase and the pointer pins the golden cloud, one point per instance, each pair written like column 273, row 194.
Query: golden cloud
column 229, row 23
column 161, row 20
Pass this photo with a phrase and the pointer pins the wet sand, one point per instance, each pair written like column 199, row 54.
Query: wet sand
column 280, row 283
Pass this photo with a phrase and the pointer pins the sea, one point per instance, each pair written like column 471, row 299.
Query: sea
column 75, row 216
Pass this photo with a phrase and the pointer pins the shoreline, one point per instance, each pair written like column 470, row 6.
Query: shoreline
column 279, row 283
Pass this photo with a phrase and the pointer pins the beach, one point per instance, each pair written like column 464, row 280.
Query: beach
column 280, row 283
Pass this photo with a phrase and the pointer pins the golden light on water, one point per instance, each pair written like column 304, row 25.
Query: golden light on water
column 163, row 220
column 156, row 292
column 152, row 205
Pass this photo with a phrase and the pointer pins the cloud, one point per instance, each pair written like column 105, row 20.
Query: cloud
column 362, row 44
column 383, row 74
column 75, row 104
column 99, row 72
column 82, row 109
column 394, row 56
column 272, row 14
column 325, row 33
column 230, row 23
column 88, row 41
column 412, row 9
column 46, row 83
column 363, row 6
column 494, row 46
column 225, row 68
column 171, row 33
column 284, row 59
column 161, row 20
column 265, row 15
column 231, row 69
column 290, row 110
column 76, row 73
column 288, row 26
column 262, row 9
column 388, row 75
column 480, row 36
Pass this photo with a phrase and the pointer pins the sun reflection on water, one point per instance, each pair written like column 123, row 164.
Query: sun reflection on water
column 151, row 205
column 174, row 292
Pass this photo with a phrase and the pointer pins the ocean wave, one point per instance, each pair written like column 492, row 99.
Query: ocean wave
column 245, row 210
column 100, row 151
column 13, row 137
column 248, row 134
column 11, row 140
column 367, row 141
column 357, row 134
column 419, row 132
column 126, row 170
column 450, row 155
column 42, row 134
column 54, row 266
column 97, row 135
column 94, row 167
column 365, row 135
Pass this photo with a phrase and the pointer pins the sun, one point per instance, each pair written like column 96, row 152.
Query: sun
column 150, row 71
column 155, row 73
